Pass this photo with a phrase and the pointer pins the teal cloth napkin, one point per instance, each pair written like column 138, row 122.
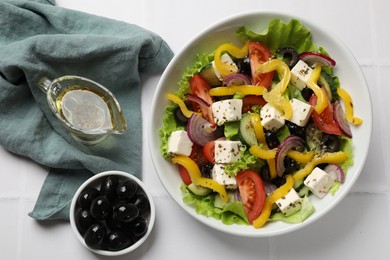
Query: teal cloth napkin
column 40, row 39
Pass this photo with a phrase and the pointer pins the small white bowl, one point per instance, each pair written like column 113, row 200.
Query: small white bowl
column 94, row 182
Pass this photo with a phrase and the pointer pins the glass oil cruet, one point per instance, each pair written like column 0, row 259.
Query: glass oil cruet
column 86, row 108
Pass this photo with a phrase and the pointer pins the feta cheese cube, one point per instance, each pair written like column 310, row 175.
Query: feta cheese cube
column 227, row 110
column 300, row 73
column 227, row 151
column 218, row 174
column 319, row 182
column 225, row 58
column 290, row 203
column 301, row 112
column 271, row 118
column 179, row 143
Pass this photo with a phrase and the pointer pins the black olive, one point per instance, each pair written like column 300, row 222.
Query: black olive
column 330, row 143
column 288, row 55
column 138, row 227
column 83, row 220
column 206, row 170
column 142, row 203
column 180, row 118
column 244, row 66
column 117, row 240
column 296, row 130
column 86, row 197
column 279, row 181
column 265, row 173
column 307, row 93
column 95, row 235
column 127, row 189
column 100, row 207
column 125, row 212
column 272, row 139
column 290, row 165
column 108, row 186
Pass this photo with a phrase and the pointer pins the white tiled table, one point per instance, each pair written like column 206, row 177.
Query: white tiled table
column 358, row 228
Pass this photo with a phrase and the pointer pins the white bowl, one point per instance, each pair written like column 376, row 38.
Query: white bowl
column 351, row 78
column 94, row 182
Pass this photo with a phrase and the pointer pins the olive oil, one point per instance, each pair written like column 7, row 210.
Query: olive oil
column 85, row 109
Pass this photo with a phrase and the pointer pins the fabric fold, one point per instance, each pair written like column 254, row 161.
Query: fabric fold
column 38, row 40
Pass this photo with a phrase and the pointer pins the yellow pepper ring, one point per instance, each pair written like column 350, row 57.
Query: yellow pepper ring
column 196, row 176
column 337, row 157
column 347, row 100
column 272, row 198
column 322, row 102
column 223, row 68
column 175, row 99
column 231, row 90
column 272, row 168
column 262, row 153
column 275, row 97
column 301, row 157
column 258, row 128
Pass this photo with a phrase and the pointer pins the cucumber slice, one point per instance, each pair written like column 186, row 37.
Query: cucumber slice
column 247, row 133
column 209, row 75
column 219, row 203
column 198, row 190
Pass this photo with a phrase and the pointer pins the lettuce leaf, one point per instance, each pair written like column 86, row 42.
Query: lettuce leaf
column 232, row 213
column 298, row 217
column 279, row 34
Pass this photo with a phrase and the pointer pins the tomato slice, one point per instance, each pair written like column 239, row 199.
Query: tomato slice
column 324, row 121
column 259, row 53
column 200, row 88
column 208, row 151
column 185, row 176
column 252, row 100
column 252, row 193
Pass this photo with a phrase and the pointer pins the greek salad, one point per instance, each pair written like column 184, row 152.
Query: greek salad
column 258, row 129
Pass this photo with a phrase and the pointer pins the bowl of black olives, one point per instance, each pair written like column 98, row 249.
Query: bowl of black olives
column 112, row 213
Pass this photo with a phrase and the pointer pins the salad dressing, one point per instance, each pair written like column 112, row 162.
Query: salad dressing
column 85, row 109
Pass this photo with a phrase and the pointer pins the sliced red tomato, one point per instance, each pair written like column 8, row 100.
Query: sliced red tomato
column 208, row 151
column 200, row 88
column 252, row 100
column 259, row 53
column 324, row 121
column 185, row 176
column 252, row 193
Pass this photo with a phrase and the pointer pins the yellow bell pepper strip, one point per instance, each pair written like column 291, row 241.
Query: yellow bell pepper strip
column 231, row 90
column 301, row 157
column 258, row 128
column 322, row 102
column 223, row 68
column 196, row 176
column 272, row 198
column 177, row 100
column 347, row 100
column 262, row 153
column 272, row 168
column 337, row 157
column 275, row 97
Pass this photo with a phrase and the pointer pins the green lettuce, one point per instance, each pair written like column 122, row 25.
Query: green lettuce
column 279, row 34
column 298, row 217
column 232, row 213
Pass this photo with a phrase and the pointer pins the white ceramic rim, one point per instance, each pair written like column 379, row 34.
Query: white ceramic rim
column 150, row 222
column 365, row 130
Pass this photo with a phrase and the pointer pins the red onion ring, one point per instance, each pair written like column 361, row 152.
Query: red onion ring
column 236, row 79
column 341, row 120
column 315, row 57
column 291, row 142
column 200, row 131
column 336, row 172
